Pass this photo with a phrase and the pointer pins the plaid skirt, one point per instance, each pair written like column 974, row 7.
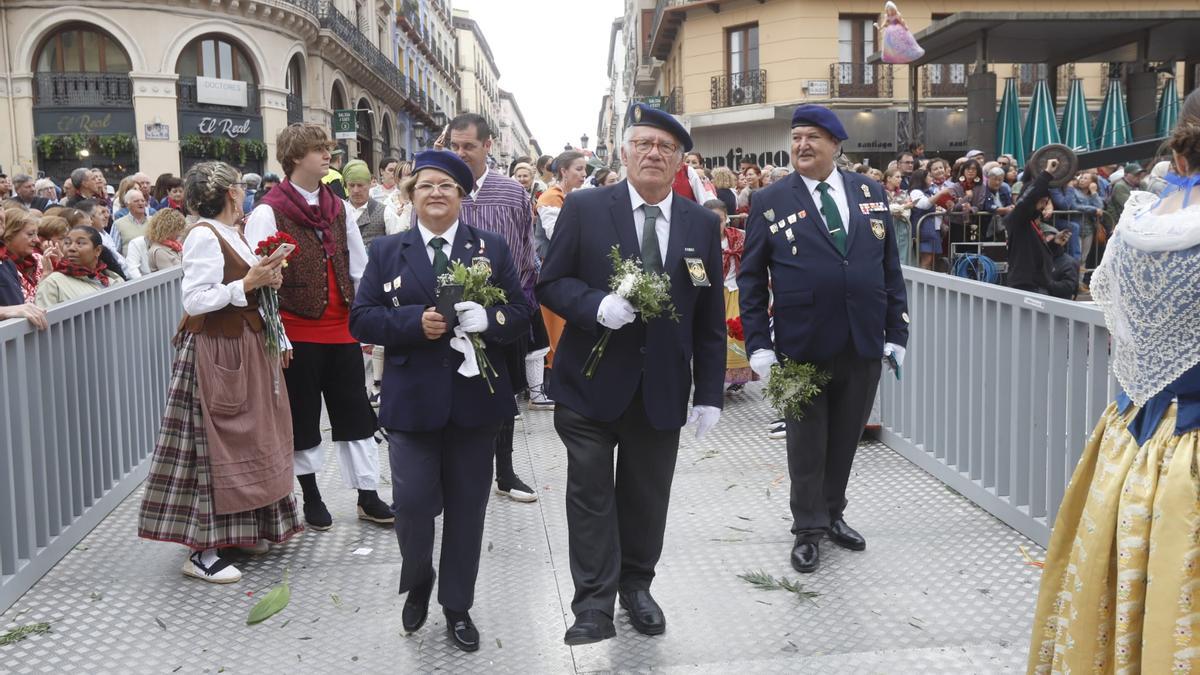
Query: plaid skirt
column 178, row 502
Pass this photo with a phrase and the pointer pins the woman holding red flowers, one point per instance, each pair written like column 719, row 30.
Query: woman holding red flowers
column 222, row 470
column 733, row 242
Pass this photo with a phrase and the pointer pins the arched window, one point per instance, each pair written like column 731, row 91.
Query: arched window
column 295, row 86
column 81, row 48
column 215, row 56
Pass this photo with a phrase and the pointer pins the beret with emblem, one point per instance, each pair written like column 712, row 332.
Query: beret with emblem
column 809, row 115
column 448, row 163
column 642, row 115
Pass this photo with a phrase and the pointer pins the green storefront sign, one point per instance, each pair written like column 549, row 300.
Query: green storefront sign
column 345, row 125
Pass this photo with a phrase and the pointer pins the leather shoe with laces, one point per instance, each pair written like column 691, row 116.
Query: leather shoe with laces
column 843, row 535
column 806, row 555
column 416, row 605
column 462, row 630
column 644, row 613
column 591, row 625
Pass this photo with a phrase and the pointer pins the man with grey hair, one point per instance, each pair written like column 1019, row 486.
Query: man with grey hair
column 24, row 194
column 252, row 181
column 85, row 188
column 133, row 224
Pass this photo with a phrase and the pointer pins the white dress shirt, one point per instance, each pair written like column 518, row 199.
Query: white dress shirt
column 448, row 235
column 479, row 184
column 837, row 191
column 261, row 225
column 204, row 289
column 662, row 224
column 391, row 219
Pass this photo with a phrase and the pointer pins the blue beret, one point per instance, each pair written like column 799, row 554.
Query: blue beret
column 819, row 116
column 448, row 163
column 642, row 115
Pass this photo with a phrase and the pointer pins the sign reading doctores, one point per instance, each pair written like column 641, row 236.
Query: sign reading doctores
column 216, row 91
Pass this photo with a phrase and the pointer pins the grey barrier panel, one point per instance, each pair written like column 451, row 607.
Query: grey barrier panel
column 79, row 414
column 999, row 394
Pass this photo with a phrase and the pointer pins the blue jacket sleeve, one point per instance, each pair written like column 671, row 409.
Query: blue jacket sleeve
column 373, row 319
column 558, row 287
column 754, row 283
column 516, row 310
column 708, row 328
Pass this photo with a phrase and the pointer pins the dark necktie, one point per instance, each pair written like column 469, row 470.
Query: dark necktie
column 651, row 255
column 440, row 261
column 833, row 219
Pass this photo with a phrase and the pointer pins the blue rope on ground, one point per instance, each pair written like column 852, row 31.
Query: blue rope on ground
column 977, row 267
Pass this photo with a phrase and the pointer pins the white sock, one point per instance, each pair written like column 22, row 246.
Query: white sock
column 208, row 557
column 535, row 369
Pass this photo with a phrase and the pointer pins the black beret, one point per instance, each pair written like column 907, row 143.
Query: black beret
column 448, row 163
column 642, row 115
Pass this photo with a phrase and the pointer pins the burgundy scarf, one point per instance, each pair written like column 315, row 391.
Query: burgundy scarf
column 72, row 270
column 27, row 266
column 285, row 199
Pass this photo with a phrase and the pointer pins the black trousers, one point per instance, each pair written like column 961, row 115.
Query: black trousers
column 821, row 446
column 334, row 372
column 615, row 524
column 446, row 471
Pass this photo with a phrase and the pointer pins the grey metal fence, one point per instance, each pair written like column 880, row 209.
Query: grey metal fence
column 80, row 405
column 999, row 392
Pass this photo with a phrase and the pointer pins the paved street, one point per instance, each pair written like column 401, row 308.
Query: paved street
column 941, row 588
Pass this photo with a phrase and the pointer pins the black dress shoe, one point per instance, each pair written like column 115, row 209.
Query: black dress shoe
column 843, row 535
column 462, row 630
column 591, row 625
column 317, row 516
column 416, row 605
column 806, row 555
column 644, row 613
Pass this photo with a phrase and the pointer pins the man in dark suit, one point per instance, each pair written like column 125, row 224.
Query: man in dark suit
column 441, row 417
column 637, row 399
column 822, row 240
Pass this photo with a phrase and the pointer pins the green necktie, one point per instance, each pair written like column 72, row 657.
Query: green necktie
column 651, row 255
column 833, row 219
column 440, row 261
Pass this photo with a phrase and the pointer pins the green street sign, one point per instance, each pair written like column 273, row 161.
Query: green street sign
column 345, row 125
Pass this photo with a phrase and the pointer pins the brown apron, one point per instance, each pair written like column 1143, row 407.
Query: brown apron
column 247, row 425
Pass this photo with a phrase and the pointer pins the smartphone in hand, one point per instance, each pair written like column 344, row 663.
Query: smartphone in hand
column 448, row 296
column 280, row 253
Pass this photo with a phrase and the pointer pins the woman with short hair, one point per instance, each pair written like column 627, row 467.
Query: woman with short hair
column 87, row 267
column 725, row 183
column 164, row 234
column 19, row 236
column 221, row 475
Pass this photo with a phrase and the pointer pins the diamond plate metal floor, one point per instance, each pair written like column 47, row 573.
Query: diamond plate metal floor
column 940, row 589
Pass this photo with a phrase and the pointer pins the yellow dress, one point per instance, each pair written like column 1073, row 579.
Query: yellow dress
column 1119, row 590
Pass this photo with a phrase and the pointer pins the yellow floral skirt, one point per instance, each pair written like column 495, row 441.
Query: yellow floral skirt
column 1119, row 590
column 737, row 367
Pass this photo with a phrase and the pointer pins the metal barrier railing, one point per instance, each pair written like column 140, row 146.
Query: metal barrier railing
column 80, row 407
column 999, row 392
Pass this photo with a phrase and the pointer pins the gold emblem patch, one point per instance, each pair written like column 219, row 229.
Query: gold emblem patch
column 637, row 114
column 904, row 316
column 877, row 228
column 696, row 271
column 500, row 318
column 480, row 261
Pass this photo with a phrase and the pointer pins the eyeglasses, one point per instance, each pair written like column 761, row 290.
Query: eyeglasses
column 430, row 188
column 643, row 146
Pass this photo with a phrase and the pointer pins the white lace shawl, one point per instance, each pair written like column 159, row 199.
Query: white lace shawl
column 1149, row 288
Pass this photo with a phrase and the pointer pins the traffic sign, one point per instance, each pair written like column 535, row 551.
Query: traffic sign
column 345, row 125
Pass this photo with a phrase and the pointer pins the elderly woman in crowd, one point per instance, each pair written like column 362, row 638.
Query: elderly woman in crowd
column 20, row 238
column 165, row 235
column 12, row 298
column 44, row 187
column 222, row 468
column 51, row 232
column 442, row 422
column 725, row 183
column 87, row 267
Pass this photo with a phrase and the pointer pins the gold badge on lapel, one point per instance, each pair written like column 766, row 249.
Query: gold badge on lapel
column 500, row 318
column 877, row 228
column 866, row 192
column 482, row 262
column 696, row 272
column 769, row 214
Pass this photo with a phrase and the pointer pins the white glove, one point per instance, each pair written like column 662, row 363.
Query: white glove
column 471, row 316
column 706, row 417
column 761, row 361
column 615, row 312
column 897, row 351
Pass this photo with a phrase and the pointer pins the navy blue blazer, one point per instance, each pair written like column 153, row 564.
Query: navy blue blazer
column 661, row 355
column 10, row 284
column 824, row 302
column 422, row 390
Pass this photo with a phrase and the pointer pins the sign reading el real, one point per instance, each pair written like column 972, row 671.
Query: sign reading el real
column 226, row 125
column 59, row 121
column 221, row 92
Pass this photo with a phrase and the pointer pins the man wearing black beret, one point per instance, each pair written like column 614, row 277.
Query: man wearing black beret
column 637, row 401
column 822, row 240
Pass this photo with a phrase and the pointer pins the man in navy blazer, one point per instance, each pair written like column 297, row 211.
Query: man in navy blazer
column 442, row 421
column 822, row 240
column 637, row 400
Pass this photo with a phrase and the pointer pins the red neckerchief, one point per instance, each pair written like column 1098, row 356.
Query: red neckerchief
column 732, row 255
column 27, row 266
column 79, row 271
column 286, row 199
column 174, row 245
column 172, row 204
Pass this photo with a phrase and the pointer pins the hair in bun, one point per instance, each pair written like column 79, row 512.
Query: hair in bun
column 205, row 187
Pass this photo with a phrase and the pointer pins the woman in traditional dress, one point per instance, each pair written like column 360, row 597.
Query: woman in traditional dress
column 1121, row 586
column 733, row 243
column 222, row 470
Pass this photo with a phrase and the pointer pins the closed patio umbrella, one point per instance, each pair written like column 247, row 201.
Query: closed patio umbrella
column 1076, row 128
column 1112, row 129
column 1040, row 123
column 1168, row 109
column 1008, row 124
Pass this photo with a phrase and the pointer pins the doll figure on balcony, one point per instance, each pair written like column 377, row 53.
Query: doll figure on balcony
column 899, row 45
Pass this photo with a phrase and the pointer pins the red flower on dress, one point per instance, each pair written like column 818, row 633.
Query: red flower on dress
column 734, row 326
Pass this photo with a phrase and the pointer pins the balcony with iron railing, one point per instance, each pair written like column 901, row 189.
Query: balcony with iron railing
column 945, row 80
column 83, row 90
column 186, row 92
column 734, row 89
column 860, row 80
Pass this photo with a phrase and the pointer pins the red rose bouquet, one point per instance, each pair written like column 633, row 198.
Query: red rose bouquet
column 734, row 326
column 269, row 297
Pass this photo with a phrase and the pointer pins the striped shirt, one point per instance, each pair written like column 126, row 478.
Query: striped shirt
column 501, row 205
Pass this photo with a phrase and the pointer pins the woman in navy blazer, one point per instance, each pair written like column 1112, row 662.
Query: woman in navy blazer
column 441, row 425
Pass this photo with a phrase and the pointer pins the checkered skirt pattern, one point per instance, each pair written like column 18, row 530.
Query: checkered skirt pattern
column 178, row 502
